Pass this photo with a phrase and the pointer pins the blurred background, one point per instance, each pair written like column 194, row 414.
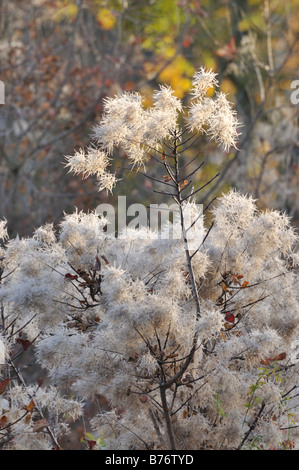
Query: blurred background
column 59, row 59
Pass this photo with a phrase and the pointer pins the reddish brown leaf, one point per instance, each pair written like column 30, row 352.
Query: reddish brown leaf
column 224, row 287
column 268, row 360
column 265, row 362
column 24, row 342
column 71, row 277
column 129, row 85
column 40, row 424
column 3, row 385
column 3, row 421
column 90, row 442
column 187, row 41
column 237, row 333
column 40, row 382
column 30, row 407
column 229, row 51
column 230, row 318
column 143, row 398
column 280, row 357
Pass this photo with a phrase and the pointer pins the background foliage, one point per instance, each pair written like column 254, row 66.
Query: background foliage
column 59, row 59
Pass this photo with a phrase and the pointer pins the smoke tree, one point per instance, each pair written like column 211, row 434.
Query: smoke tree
column 193, row 345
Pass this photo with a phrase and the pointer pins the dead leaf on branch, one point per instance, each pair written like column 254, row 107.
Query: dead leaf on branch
column 3, row 385
column 24, row 342
column 268, row 360
column 3, row 421
column 30, row 407
column 40, row 425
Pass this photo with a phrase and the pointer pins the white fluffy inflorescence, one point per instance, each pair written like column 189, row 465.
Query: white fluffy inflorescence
column 213, row 116
column 125, row 123
column 2, row 353
column 3, row 230
column 118, row 318
column 111, row 348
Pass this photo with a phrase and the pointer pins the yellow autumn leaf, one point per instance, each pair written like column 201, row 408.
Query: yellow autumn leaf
column 147, row 94
column 177, row 74
column 181, row 85
column 169, row 51
column 106, row 18
column 244, row 24
column 228, row 87
column 67, row 12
